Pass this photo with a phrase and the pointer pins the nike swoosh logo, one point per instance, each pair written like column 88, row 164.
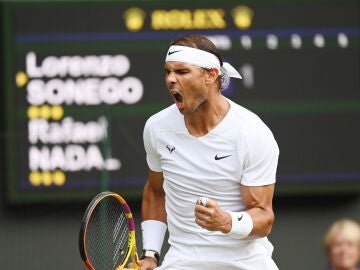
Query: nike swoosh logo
column 170, row 53
column 240, row 218
column 221, row 157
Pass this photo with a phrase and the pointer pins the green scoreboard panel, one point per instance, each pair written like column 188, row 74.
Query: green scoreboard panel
column 81, row 78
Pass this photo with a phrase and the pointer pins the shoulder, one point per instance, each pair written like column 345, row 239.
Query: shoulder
column 163, row 122
column 248, row 123
column 163, row 117
column 253, row 134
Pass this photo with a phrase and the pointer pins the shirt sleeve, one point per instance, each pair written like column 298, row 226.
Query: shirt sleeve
column 260, row 158
column 152, row 156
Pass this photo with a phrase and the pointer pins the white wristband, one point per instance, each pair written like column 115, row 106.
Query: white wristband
column 242, row 225
column 153, row 233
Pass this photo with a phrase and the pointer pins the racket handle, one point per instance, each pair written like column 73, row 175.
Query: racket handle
column 134, row 263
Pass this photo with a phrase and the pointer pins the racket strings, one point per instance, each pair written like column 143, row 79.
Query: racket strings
column 107, row 235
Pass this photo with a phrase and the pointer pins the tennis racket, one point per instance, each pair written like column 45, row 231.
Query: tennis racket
column 107, row 234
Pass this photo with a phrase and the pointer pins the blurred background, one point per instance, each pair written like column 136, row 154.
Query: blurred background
column 80, row 78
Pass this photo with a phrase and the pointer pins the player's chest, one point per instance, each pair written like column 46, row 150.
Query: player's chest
column 210, row 154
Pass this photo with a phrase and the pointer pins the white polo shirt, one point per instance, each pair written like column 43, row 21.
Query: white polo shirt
column 241, row 149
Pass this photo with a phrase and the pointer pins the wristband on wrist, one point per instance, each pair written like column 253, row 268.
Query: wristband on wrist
column 241, row 226
column 153, row 233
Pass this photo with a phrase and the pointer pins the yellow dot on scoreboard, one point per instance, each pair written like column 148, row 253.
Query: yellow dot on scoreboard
column 35, row 178
column 242, row 16
column 59, row 178
column 33, row 112
column 134, row 19
column 45, row 111
column 46, row 178
column 21, row 79
column 57, row 112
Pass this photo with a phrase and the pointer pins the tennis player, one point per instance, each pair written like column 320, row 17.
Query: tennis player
column 206, row 146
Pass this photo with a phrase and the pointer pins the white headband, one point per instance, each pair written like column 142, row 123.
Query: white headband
column 200, row 58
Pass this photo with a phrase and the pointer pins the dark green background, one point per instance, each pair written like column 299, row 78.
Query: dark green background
column 309, row 97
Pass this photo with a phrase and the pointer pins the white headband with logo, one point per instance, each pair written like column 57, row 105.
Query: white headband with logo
column 200, row 58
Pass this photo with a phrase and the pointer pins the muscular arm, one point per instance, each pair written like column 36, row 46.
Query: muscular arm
column 153, row 202
column 153, row 208
column 258, row 202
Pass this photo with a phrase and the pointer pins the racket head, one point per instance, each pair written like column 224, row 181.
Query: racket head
column 107, row 233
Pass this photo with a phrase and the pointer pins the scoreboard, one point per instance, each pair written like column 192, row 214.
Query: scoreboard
column 82, row 77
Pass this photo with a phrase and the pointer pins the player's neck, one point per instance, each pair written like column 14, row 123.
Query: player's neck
column 208, row 117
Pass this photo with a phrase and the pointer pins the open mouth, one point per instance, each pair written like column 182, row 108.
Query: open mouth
column 177, row 97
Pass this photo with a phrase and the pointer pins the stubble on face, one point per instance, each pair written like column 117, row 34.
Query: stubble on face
column 186, row 85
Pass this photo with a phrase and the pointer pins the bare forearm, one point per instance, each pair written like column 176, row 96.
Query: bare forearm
column 153, row 204
column 258, row 201
column 263, row 220
column 153, row 225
